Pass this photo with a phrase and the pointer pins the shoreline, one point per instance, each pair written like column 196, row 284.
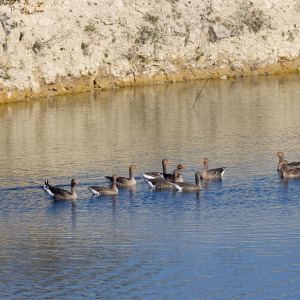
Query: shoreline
column 71, row 85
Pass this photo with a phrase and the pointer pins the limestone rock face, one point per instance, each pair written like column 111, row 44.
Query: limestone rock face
column 55, row 47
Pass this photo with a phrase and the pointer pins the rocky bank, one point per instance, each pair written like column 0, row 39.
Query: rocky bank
column 55, row 47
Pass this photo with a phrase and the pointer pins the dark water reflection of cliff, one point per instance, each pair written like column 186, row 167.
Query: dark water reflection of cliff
column 239, row 238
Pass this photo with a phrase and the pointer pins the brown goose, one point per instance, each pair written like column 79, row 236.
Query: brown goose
column 188, row 187
column 123, row 181
column 163, row 184
column 157, row 175
column 61, row 194
column 213, row 173
column 281, row 159
column 105, row 190
column 170, row 176
column 289, row 172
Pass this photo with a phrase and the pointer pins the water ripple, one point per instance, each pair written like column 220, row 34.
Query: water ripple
column 238, row 238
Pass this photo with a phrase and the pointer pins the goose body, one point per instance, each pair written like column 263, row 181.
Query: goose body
column 289, row 172
column 213, row 173
column 105, row 190
column 61, row 194
column 123, row 181
column 281, row 159
column 189, row 187
column 169, row 176
column 163, row 184
column 157, row 175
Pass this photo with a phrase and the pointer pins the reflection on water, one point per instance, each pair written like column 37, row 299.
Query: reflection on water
column 237, row 238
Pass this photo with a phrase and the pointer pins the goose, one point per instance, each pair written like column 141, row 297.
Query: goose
column 61, row 194
column 289, row 172
column 188, row 187
column 157, row 175
column 105, row 190
column 163, row 184
column 170, row 176
column 213, row 173
column 281, row 159
column 123, row 181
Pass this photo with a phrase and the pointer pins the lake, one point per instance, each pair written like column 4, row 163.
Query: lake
column 238, row 238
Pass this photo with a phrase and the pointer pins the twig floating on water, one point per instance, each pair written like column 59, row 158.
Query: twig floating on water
column 201, row 91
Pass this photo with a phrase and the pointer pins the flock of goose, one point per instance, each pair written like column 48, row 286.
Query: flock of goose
column 164, row 180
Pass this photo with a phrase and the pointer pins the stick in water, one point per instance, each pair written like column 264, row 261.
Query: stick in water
column 201, row 91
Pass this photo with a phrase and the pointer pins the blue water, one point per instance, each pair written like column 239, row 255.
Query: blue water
column 238, row 238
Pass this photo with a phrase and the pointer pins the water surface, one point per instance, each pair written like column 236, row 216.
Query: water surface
column 238, row 238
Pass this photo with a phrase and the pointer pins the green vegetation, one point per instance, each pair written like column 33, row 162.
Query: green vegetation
column 31, row 8
column 253, row 17
column 147, row 34
column 85, row 48
column 143, row 59
column 84, row 45
column 151, row 19
column 6, row 76
column 90, row 27
column 199, row 55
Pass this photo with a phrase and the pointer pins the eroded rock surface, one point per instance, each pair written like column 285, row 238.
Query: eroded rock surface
column 55, row 47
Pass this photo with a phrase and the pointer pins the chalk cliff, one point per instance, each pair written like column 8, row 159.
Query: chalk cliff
column 54, row 47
